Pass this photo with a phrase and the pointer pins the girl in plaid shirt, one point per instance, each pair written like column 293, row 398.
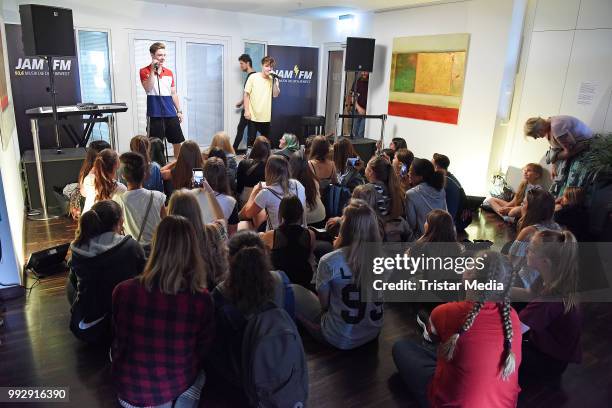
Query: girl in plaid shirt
column 164, row 323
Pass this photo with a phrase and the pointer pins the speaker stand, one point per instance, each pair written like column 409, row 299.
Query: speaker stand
column 53, row 92
column 44, row 214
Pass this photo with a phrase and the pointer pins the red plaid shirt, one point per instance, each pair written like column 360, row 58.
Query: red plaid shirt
column 160, row 341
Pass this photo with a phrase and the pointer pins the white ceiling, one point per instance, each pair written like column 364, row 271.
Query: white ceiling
column 306, row 9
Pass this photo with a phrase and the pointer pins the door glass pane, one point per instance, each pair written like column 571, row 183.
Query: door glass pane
column 142, row 57
column 204, row 99
column 334, row 89
column 94, row 72
column 257, row 51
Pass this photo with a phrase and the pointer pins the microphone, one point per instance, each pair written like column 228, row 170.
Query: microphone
column 156, row 67
column 274, row 74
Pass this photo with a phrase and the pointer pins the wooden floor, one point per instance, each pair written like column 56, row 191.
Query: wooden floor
column 39, row 349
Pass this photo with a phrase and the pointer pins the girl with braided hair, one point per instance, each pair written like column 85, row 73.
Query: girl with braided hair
column 480, row 344
column 551, row 320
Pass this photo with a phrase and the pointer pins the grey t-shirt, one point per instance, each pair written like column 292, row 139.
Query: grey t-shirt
column 134, row 204
column 348, row 322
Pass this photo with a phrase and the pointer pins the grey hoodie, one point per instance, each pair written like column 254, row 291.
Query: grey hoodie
column 99, row 244
column 420, row 200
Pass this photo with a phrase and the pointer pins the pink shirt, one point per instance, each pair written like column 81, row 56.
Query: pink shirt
column 567, row 129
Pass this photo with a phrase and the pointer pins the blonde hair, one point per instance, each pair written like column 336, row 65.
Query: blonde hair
column 359, row 226
column 222, row 141
column 175, row 264
column 212, row 245
column 520, row 192
column 496, row 268
column 561, row 249
column 534, row 126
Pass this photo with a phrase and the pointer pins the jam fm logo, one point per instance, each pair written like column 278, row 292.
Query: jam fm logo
column 295, row 75
column 36, row 66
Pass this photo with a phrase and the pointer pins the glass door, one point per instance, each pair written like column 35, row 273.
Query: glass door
column 204, row 98
column 333, row 102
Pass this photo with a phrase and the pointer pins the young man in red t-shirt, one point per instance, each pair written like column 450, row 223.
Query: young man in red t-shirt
column 164, row 115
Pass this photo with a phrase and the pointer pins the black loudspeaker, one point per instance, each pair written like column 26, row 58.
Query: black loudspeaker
column 49, row 261
column 47, row 31
column 365, row 148
column 58, row 170
column 359, row 54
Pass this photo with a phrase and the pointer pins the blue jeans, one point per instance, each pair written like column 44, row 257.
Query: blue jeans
column 416, row 365
column 358, row 129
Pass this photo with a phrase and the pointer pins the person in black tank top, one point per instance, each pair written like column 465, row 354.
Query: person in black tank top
column 291, row 244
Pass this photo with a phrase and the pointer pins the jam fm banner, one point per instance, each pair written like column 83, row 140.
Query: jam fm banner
column 29, row 83
column 297, row 69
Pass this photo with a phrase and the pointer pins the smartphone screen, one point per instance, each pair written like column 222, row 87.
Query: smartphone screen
column 352, row 161
column 248, row 152
column 198, row 177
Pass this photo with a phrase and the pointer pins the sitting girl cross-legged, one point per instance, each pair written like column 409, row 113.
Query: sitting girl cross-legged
column 480, row 352
column 164, row 323
column 338, row 316
column 102, row 257
column 552, row 319
column 249, row 286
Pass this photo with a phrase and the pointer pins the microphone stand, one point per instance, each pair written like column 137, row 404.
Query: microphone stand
column 162, row 118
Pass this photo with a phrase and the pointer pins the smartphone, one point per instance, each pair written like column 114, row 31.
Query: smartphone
column 403, row 170
column 248, row 152
column 198, row 178
column 352, row 161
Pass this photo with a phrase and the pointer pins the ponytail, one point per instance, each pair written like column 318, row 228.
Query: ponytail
column 103, row 170
column 90, row 226
column 103, row 217
column 383, row 171
column 437, row 180
column 424, row 168
column 561, row 248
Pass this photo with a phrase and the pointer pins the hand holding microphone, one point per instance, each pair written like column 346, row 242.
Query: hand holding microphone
column 155, row 66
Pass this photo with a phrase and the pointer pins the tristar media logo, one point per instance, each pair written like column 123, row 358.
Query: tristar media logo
column 37, row 67
column 295, row 76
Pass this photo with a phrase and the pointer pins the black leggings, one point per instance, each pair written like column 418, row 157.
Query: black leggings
column 538, row 367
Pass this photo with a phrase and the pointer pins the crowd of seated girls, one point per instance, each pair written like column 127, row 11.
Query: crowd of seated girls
column 201, row 259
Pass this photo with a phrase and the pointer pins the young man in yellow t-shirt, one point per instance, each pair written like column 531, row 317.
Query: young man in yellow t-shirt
column 259, row 90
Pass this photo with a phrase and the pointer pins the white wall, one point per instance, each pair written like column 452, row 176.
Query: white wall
column 122, row 17
column 567, row 42
column 468, row 143
column 12, row 237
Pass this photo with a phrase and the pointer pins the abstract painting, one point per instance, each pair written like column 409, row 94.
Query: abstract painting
column 427, row 76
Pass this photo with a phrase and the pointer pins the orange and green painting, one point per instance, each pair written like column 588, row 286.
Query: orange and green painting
column 427, row 76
